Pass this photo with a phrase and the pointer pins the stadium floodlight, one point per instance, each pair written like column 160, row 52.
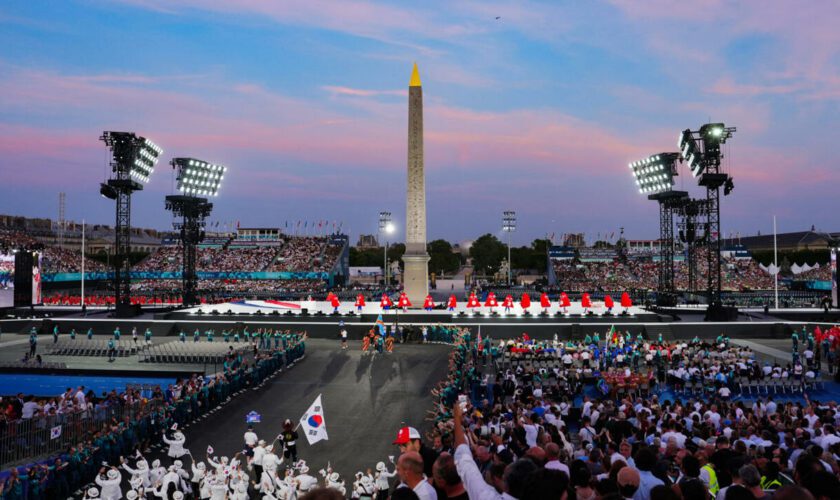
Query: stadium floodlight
column 655, row 174
column 198, row 177
column 509, row 226
column 133, row 159
column 132, row 154
column 690, row 152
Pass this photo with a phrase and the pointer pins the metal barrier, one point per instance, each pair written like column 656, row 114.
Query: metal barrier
column 27, row 440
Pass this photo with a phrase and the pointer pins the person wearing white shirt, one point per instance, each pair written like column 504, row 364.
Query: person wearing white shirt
column 250, row 437
column 30, row 409
column 410, row 470
column 80, row 396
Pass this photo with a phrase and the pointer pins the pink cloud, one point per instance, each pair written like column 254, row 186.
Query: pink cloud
column 345, row 91
column 726, row 86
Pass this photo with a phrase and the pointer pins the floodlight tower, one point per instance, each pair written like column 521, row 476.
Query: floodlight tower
column 509, row 226
column 701, row 150
column 386, row 227
column 196, row 179
column 133, row 159
column 655, row 177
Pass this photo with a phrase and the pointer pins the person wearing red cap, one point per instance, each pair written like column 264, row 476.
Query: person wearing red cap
column 408, row 439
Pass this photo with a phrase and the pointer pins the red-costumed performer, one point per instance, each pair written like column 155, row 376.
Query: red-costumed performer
column 508, row 303
column 403, row 302
column 453, row 301
column 429, row 303
column 585, row 302
column 472, row 301
column 545, row 302
column 360, row 302
column 626, row 303
column 491, row 301
column 608, row 303
column 525, row 302
column 334, row 302
column 386, row 303
column 564, row 301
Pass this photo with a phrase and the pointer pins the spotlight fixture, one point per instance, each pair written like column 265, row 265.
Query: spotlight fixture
column 690, row 152
column 728, row 186
column 107, row 191
column 197, row 177
column 655, row 174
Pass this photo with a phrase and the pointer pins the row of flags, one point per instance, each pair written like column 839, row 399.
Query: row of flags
column 301, row 224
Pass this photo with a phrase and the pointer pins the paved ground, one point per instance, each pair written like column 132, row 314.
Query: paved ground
column 366, row 399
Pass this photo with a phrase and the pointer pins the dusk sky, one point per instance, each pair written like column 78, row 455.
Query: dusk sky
column 538, row 111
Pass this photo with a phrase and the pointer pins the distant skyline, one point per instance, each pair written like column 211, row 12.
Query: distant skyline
column 538, row 111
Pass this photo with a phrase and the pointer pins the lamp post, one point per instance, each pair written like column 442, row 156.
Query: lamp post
column 509, row 225
column 386, row 227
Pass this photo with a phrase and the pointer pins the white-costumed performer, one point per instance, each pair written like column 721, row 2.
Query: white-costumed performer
column 305, row 482
column 363, row 487
column 156, row 472
column 334, row 481
column 109, row 483
column 381, row 480
column 199, row 471
column 141, row 471
column 270, row 460
column 176, row 445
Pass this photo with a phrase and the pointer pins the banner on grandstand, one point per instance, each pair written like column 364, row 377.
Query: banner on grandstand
column 55, row 432
column 312, row 422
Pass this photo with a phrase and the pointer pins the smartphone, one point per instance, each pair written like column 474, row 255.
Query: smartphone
column 462, row 400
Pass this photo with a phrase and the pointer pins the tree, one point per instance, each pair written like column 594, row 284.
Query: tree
column 442, row 258
column 487, row 253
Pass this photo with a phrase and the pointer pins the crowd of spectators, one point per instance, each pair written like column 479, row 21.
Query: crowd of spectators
column 737, row 274
column 62, row 260
column 303, row 253
column 100, row 431
column 822, row 273
column 507, row 431
column 11, row 239
column 295, row 253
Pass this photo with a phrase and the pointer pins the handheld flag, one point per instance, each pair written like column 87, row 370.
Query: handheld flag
column 55, row 432
column 312, row 422
column 380, row 325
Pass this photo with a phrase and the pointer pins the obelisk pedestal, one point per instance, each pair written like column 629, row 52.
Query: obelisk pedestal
column 416, row 258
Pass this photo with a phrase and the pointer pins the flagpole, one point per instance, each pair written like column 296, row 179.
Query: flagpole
column 83, row 263
column 775, row 264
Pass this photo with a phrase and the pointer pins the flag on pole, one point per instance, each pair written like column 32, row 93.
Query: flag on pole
column 380, row 325
column 312, row 422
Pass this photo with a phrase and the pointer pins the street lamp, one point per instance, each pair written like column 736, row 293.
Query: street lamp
column 509, row 225
column 386, row 227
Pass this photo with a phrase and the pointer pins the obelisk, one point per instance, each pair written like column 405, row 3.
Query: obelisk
column 415, row 259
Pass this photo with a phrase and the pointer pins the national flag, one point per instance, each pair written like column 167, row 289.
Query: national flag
column 209, row 450
column 478, row 340
column 380, row 325
column 55, row 432
column 312, row 422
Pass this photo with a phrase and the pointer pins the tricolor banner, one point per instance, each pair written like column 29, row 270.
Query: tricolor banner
column 312, row 422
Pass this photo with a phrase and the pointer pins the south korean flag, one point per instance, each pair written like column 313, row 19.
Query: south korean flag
column 312, row 422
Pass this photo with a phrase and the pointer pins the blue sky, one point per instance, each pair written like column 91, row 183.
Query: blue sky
column 538, row 111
